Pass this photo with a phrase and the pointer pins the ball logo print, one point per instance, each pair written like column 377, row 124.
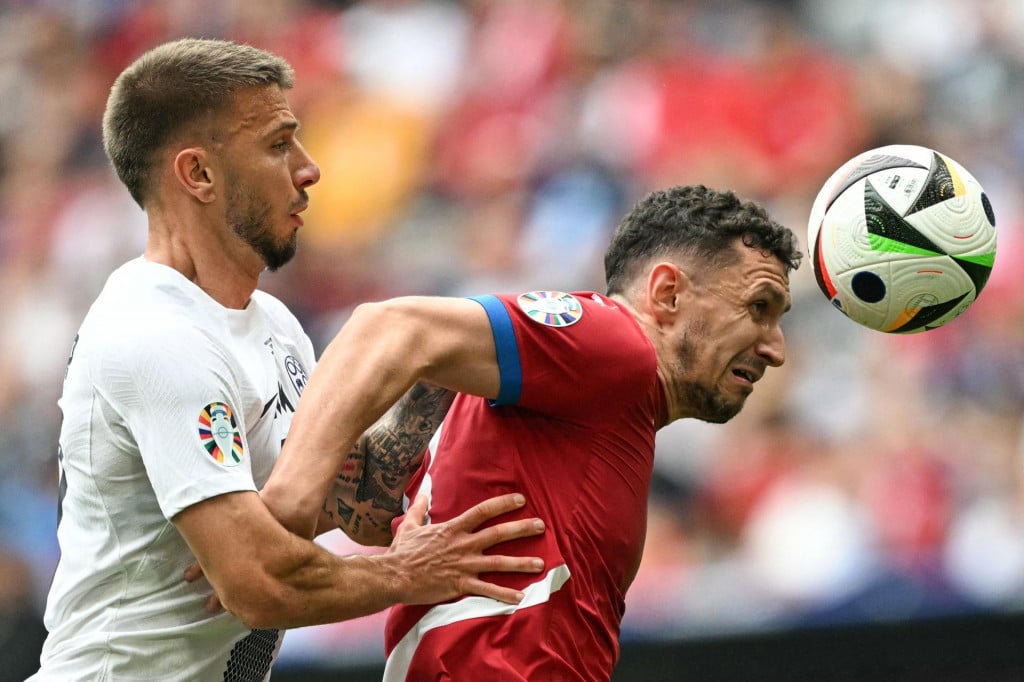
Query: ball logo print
column 902, row 239
column 218, row 432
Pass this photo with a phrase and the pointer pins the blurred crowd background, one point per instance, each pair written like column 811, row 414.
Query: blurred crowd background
column 492, row 145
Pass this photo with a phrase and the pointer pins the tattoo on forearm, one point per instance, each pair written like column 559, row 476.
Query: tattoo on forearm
column 396, row 447
column 340, row 513
column 382, row 462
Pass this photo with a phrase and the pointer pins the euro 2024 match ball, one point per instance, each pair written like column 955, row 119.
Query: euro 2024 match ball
column 902, row 239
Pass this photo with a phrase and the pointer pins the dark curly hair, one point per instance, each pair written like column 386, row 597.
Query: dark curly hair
column 697, row 222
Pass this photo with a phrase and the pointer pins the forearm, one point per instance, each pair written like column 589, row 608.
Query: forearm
column 315, row 588
column 379, row 354
column 355, row 381
column 271, row 578
column 367, row 495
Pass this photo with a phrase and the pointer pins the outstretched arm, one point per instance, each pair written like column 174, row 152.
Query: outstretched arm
column 377, row 356
column 274, row 578
column 367, row 495
column 271, row 578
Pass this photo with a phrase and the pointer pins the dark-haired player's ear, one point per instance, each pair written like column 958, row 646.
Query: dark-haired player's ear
column 666, row 283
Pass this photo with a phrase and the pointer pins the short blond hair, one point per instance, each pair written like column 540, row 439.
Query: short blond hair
column 174, row 86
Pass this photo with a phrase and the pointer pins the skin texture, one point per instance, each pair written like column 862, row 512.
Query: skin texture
column 715, row 331
column 380, row 465
column 712, row 327
column 380, row 353
column 226, row 207
column 248, row 184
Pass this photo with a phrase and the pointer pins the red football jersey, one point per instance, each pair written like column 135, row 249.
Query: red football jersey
column 573, row 430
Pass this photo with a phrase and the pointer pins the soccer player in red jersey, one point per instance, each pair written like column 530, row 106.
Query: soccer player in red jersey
column 558, row 395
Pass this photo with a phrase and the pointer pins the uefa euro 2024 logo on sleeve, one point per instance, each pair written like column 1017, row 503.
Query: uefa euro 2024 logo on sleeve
column 218, row 432
column 551, row 308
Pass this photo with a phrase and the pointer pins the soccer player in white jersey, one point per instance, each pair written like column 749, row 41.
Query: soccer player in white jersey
column 180, row 390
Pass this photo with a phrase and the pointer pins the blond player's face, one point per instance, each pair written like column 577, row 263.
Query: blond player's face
column 266, row 173
column 731, row 335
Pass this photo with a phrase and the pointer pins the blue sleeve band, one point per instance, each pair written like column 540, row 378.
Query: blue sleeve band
column 509, row 367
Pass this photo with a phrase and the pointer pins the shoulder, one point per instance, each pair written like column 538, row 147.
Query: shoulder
column 145, row 313
column 573, row 351
column 144, row 292
column 582, row 316
column 578, row 328
column 284, row 323
column 276, row 311
column 271, row 304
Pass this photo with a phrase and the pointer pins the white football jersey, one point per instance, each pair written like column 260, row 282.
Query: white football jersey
column 169, row 399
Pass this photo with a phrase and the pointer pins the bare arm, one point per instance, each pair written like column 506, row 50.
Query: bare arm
column 367, row 494
column 270, row 577
column 378, row 355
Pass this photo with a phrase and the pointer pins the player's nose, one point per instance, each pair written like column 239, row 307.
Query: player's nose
column 772, row 346
column 308, row 172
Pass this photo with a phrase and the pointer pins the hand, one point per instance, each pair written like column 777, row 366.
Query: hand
column 213, row 605
column 441, row 561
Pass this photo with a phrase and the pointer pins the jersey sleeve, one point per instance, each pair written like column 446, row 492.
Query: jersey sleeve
column 178, row 398
column 572, row 356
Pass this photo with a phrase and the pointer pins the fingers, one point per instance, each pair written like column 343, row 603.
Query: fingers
column 445, row 560
column 509, row 530
column 500, row 532
column 418, row 509
column 414, row 517
column 495, row 563
column 193, row 573
column 213, row 605
column 484, row 589
column 486, row 510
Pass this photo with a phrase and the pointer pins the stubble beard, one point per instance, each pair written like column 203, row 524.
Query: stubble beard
column 249, row 218
column 706, row 403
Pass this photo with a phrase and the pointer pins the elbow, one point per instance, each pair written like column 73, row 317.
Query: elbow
column 263, row 616
column 396, row 324
column 256, row 619
column 259, row 605
column 377, row 315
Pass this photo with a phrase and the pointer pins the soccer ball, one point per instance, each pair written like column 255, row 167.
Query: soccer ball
column 902, row 239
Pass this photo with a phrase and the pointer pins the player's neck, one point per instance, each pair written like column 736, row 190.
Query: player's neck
column 227, row 273
column 674, row 404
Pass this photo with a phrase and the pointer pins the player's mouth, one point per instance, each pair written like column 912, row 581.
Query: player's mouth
column 746, row 376
column 297, row 217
